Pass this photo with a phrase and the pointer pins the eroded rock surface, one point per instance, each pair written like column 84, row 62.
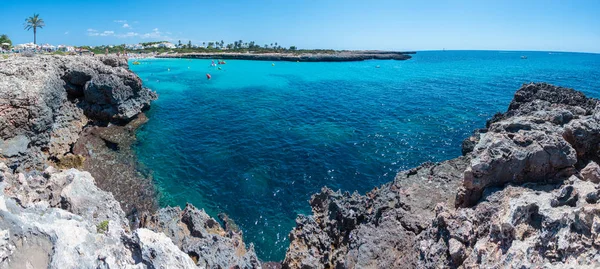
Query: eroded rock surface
column 377, row 230
column 203, row 238
column 60, row 219
column 45, row 101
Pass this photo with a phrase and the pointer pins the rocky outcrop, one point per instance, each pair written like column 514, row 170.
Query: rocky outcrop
column 203, row 238
column 83, row 112
column 62, row 220
column 45, row 101
column 377, row 230
column 341, row 56
column 524, row 195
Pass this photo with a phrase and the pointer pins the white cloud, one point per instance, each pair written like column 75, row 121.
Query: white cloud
column 126, row 25
column 92, row 32
column 129, row 34
column 155, row 29
column 107, row 33
column 67, row 32
column 120, row 21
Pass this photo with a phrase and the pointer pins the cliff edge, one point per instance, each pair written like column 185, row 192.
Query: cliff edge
column 60, row 112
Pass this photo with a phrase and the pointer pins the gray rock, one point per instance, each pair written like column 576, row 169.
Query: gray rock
column 45, row 103
column 14, row 146
column 591, row 172
column 158, row 250
column 376, row 230
column 566, row 196
column 202, row 238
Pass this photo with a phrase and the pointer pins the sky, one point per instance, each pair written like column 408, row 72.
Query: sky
column 548, row 25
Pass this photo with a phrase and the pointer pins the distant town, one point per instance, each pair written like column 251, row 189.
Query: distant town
column 149, row 47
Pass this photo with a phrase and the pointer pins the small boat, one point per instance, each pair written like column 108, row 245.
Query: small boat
column 523, row 57
column 208, row 76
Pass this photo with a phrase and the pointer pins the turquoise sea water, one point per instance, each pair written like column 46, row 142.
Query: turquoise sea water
column 256, row 141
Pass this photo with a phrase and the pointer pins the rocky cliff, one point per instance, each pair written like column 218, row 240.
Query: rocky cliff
column 524, row 196
column 58, row 112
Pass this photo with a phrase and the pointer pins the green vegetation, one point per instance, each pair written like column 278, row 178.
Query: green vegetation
column 58, row 52
column 152, row 43
column 238, row 46
column 5, row 40
column 5, row 57
column 34, row 22
column 102, row 227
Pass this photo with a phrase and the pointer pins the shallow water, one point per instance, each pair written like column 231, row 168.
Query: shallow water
column 257, row 140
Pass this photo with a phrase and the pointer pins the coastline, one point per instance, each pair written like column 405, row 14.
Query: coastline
column 525, row 191
column 344, row 56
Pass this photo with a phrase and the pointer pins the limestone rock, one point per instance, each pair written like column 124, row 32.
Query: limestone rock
column 45, row 102
column 158, row 250
column 377, row 230
column 202, row 238
column 591, row 172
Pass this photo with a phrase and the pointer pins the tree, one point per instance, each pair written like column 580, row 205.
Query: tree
column 179, row 45
column 189, row 44
column 204, row 44
column 5, row 39
column 211, row 45
column 292, row 47
column 34, row 22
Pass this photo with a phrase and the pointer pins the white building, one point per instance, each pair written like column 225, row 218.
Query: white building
column 65, row 48
column 167, row 45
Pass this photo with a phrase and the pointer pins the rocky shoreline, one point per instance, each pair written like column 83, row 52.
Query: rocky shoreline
column 343, row 56
column 524, row 194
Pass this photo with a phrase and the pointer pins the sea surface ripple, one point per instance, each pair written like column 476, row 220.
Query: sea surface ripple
column 257, row 140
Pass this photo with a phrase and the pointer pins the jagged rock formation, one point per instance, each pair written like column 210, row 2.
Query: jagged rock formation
column 524, row 195
column 83, row 112
column 66, row 111
column 45, row 101
column 202, row 238
column 62, row 220
column 377, row 230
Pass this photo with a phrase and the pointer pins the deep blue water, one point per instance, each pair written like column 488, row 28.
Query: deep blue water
column 256, row 141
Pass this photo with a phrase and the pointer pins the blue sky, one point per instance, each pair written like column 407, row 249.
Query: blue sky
column 343, row 24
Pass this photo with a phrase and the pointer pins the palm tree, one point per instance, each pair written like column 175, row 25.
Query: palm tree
column 34, row 22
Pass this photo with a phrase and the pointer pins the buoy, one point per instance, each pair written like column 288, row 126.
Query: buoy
column 169, row 69
column 208, row 76
column 273, row 64
column 188, row 67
